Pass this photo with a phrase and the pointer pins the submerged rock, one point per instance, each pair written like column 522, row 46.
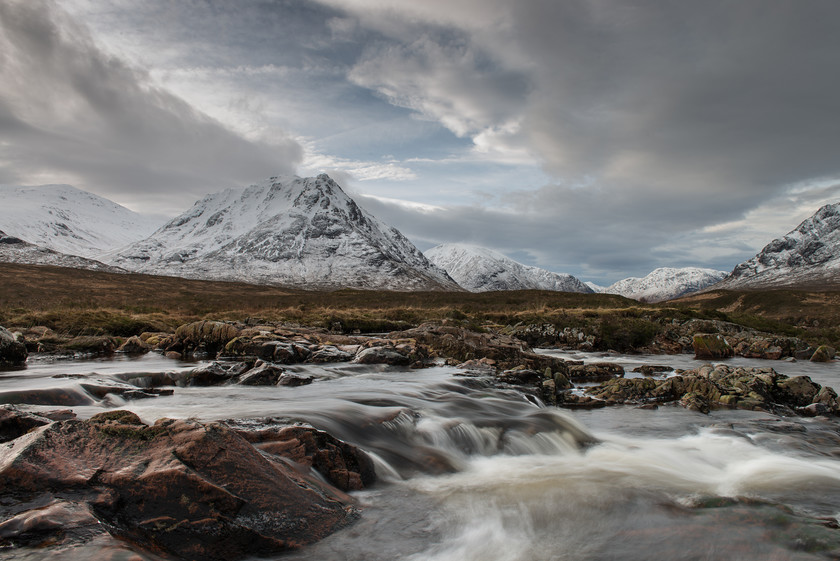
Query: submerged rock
column 192, row 490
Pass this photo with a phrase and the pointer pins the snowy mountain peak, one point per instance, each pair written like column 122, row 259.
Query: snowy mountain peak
column 69, row 220
column 479, row 269
column 666, row 283
column 807, row 256
column 287, row 231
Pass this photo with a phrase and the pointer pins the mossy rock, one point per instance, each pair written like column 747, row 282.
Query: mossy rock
column 711, row 346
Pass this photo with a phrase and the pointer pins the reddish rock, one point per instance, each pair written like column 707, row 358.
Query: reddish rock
column 342, row 464
column 196, row 491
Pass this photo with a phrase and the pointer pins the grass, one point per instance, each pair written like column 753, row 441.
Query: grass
column 74, row 302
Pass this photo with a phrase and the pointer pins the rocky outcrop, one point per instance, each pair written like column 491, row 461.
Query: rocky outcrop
column 205, row 338
column 709, row 387
column 823, row 353
column 182, row 488
column 12, row 351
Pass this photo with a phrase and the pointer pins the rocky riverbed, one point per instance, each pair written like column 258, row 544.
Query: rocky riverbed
column 275, row 439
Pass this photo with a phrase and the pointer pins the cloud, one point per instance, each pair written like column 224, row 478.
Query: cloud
column 75, row 114
column 655, row 120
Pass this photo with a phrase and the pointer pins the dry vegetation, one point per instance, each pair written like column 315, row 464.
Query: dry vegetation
column 77, row 302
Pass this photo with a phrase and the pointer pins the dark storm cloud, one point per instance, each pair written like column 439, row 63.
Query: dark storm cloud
column 71, row 113
column 657, row 120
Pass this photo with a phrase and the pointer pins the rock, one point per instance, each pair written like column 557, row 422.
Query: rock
column 549, row 391
column 205, row 336
column 711, row 346
column 824, row 353
column 329, row 353
column 134, row 346
column 561, row 382
column 343, row 465
column 15, row 423
column 293, row 380
column 521, row 376
column 190, row 490
column 12, row 351
column 595, row 372
column 174, row 355
column 264, row 374
column 213, row 374
column 652, row 369
column 798, row 391
column 695, row 402
column 382, row 355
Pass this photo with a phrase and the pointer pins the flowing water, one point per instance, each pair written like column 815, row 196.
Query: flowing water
column 473, row 472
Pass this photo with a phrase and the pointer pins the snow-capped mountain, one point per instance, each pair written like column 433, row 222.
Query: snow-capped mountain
column 479, row 269
column 808, row 256
column 596, row 288
column 15, row 250
column 666, row 283
column 69, row 220
column 290, row 231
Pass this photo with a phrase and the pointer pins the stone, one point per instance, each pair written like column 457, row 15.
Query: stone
column 824, row 353
column 521, row 376
column 382, row 355
column 264, row 374
column 213, row 374
column 343, row 465
column 695, row 402
column 12, row 351
column 15, row 423
column 711, row 346
column 134, row 346
column 652, row 369
column 187, row 489
column 329, row 353
column 595, row 371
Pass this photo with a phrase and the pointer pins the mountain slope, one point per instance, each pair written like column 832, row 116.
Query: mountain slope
column 807, row 257
column 15, row 250
column 69, row 220
column 479, row 269
column 295, row 232
column 666, row 283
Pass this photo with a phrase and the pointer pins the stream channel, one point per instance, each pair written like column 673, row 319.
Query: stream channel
column 468, row 471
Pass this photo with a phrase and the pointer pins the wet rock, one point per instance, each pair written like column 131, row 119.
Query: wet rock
column 521, row 376
column 329, row 353
column 292, row 379
column 134, row 346
column 577, row 401
column 213, row 374
column 12, row 351
column 695, row 402
column 561, row 382
column 382, row 355
column 173, row 355
column 595, row 371
column 549, row 391
column 63, row 397
column 824, row 353
column 342, row 464
column 264, row 374
column 191, row 490
column 15, row 423
column 205, row 337
column 711, row 346
column 652, row 369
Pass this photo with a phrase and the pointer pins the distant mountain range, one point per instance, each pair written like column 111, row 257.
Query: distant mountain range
column 666, row 283
column 306, row 232
column 479, row 269
column 806, row 257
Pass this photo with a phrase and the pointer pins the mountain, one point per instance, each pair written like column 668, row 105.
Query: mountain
column 294, row 232
column 666, row 283
column 596, row 288
column 479, row 269
column 69, row 220
column 15, row 250
column 807, row 257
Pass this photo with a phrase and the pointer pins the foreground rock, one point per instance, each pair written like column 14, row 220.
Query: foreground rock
column 12, row 351
column 183, row 488
column 709, row 387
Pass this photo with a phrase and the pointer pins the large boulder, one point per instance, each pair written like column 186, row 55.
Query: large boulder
column 187, row 489
column 711, row 347
column 12, row 351
column 205, row 337
column 824, row 353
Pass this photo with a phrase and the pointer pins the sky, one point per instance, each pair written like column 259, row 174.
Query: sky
column 601, row 138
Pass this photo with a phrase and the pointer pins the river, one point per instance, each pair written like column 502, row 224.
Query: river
column 470, row 472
